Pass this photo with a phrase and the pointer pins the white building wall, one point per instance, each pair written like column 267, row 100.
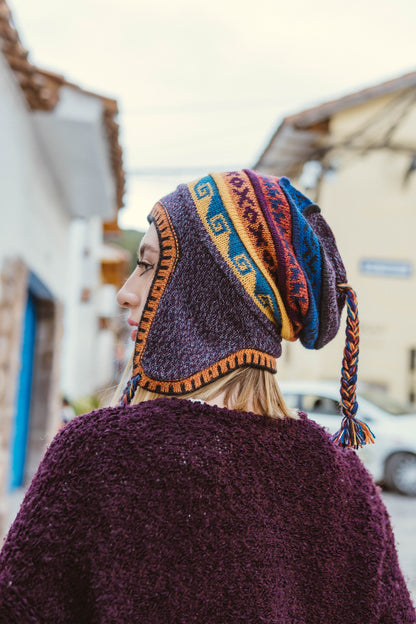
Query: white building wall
column 63, row 252
column 107, row 310
column 37, row 235
column 34, row 220
column 88, row 351
column 81, row 323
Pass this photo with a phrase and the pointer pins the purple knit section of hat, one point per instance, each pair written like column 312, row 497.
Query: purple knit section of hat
column 204, row 314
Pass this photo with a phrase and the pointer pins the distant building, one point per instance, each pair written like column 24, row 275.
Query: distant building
column 61, row 178
column 356, row 157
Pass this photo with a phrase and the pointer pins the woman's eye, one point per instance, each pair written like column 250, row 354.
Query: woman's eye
column 145, row 266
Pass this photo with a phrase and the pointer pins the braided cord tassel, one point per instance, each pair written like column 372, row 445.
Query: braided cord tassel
column 130, row 390
column 353, row 432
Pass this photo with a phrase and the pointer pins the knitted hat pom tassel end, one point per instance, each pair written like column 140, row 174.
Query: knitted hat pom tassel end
column 353, row 432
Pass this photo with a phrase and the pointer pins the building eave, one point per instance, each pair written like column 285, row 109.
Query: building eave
column 300, row 136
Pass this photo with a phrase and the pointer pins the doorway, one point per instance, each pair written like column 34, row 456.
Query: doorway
column 20, row 428
column 36, row 412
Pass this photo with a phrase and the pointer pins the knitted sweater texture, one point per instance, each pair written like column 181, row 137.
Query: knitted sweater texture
column 176, row 512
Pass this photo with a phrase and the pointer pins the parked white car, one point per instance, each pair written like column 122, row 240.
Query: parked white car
column 392, row 459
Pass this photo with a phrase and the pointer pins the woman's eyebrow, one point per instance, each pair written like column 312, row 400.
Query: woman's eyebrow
column 146, row 247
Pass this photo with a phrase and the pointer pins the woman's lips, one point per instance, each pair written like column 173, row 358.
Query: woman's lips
column 133, row 334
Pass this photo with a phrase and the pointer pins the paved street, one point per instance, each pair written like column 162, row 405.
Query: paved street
column 402, row 511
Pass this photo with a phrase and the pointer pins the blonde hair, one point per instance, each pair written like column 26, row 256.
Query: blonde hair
column 244, row 389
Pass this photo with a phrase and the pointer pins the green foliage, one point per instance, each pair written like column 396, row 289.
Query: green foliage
column 85, row 404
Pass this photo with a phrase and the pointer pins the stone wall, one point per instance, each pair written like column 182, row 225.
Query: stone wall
column 13, row 289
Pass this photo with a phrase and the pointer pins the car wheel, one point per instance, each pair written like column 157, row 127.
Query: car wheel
column 400, row 473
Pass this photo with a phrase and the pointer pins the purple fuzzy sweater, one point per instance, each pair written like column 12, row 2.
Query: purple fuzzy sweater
column 175, row 512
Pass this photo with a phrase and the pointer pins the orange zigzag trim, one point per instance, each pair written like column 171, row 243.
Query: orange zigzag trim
column 167, row 262
column 245, row 357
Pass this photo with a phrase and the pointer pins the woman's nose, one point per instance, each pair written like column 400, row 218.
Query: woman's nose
column 127, row 297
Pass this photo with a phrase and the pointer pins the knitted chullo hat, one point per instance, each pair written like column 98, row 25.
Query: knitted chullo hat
column 245, row 260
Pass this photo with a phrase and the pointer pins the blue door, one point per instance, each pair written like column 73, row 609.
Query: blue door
column 23, row 397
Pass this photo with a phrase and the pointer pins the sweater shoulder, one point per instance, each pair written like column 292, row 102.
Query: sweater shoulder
column 168, row 416
column 169, row 423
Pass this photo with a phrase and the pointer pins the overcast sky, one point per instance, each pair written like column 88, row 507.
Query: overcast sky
column 204, row 84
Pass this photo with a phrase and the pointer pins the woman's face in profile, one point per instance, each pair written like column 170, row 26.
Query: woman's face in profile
column 133, row 294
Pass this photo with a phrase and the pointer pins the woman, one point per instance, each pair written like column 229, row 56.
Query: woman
column 200, row 497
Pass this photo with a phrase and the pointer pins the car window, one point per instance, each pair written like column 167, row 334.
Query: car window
column 316, row 404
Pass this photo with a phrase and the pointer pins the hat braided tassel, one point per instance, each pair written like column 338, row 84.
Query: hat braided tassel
column 130, row 390
column 353, row 433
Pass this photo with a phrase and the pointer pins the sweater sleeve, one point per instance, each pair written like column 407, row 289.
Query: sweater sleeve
column 41, row 563
column 395, row 602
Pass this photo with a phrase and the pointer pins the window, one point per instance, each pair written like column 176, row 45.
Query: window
column 316, row 404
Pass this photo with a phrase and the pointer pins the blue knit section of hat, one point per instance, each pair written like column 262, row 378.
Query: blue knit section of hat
column 308, row 252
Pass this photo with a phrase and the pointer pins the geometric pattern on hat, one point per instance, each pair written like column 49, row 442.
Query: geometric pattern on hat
column 216, row 213
column 280, row 233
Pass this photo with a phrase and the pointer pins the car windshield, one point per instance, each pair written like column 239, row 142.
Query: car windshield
column 386, row 402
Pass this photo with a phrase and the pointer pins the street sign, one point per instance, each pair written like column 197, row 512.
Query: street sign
column 386, row 268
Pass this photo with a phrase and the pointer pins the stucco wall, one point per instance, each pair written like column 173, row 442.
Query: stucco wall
column 87, row 355
column 34, row 219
